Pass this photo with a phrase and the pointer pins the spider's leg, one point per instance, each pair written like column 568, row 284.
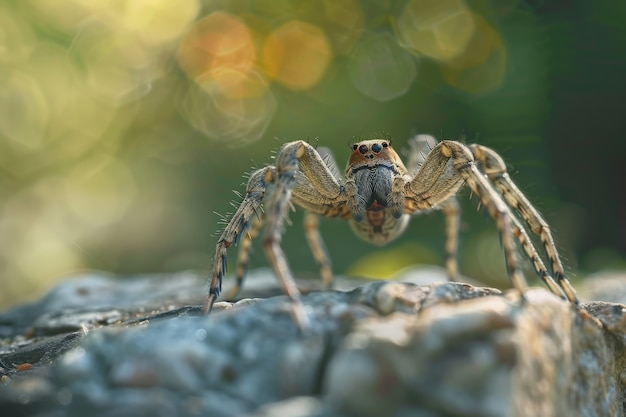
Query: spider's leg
column 329, row 160
column 277, row 208
column 531, row 253
column 295, row 161
column 313, row 237
column 445, row 169
column 495, row 169
column 245, row 247
column 236, row 227
column 452, row 213
column 463, row 162
column 419, row 147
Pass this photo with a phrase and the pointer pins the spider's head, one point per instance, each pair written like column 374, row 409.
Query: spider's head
column 371, row 153
column 372, row 167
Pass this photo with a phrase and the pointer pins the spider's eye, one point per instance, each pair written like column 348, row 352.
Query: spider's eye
column 363, row 149
column 355, row 146
column 385, row 144
column 377, row 148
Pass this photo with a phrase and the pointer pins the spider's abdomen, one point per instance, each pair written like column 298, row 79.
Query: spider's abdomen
column 379, row 226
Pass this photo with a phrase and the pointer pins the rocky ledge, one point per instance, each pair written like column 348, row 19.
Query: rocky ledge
column 102, row 346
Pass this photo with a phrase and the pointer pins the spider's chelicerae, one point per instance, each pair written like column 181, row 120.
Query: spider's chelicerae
column 377, row 196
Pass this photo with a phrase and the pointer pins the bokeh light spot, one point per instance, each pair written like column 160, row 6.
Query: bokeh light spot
column 482, row 67
column 23, row 110
column 16, row 36
column 117, row 66
column 480, row 46
column 46, row 254
column 439, row 29
column 68, row 138
column 227, row 110
column 397, row 258
column 37, row 239
column 234, row 84
column 381, row 69
column 158, row 21
column 296, row 55
column 64, row 16
column 99, row 190
column 217, row 41
column 114, row 82
column 344, row 23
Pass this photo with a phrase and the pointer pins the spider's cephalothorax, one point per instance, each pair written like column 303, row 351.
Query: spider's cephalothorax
column 378, row 196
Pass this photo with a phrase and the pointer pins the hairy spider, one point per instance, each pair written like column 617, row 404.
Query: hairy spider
column 377, row 197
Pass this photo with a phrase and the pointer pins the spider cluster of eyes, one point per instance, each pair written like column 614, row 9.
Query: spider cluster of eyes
column 376, row 148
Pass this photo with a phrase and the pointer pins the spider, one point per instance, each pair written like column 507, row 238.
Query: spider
column 377, row 197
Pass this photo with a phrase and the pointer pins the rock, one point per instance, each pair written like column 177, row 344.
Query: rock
column 606, row 286
column 103, row 346
column 292, row 407
column 482, row 357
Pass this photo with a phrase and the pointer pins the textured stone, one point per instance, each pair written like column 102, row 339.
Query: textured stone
column 609, row 286
column 102, row 346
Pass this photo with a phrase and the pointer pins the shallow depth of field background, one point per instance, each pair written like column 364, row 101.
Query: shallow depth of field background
column 125, row 124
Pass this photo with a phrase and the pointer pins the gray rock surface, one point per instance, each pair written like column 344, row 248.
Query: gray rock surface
column 102, row 346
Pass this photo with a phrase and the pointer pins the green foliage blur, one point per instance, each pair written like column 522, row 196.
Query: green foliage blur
column 126, row 124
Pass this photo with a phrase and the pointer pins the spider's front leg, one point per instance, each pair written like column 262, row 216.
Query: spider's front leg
column 313, row 237
column 419, row 147
column 243, row 259
column 293, row 159
column 301, row 176
column 495, row 169
column 446, row 168
column 452, row 214
column 236, row 227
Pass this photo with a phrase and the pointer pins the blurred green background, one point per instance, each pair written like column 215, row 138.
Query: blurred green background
column 125, row 124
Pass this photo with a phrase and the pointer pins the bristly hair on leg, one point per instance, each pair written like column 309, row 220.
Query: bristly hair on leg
column 316, row 139
column 329, row 160
column 246, row 176
column 462, row 137
column 419, row 147
column 223, row 219
column 256, row 213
